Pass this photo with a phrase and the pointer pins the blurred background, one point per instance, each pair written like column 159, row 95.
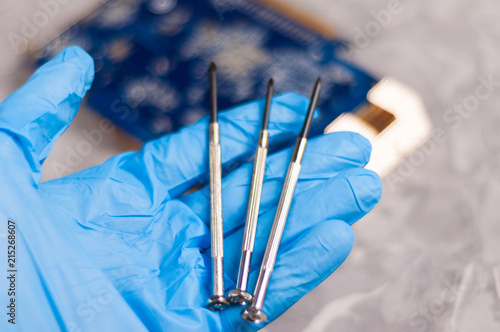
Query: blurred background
column 427, row 257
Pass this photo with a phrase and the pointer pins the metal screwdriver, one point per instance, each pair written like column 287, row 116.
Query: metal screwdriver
column 217, row 301
column 254, row 312
column 240, row 294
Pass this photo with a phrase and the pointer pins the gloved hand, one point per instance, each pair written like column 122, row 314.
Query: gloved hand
column 117, row 247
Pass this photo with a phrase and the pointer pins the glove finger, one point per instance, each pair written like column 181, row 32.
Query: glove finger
column 347, row 196
column 302, row 264
column 38, row 113
column 140, row 183
column 325, row 157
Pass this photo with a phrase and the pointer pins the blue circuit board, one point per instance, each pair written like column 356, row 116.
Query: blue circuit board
column 152, row 57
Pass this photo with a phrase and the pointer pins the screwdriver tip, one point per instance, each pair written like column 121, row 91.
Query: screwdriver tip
column 312, row 107
column 267, row 109
column 212, row 67
column 213, row 92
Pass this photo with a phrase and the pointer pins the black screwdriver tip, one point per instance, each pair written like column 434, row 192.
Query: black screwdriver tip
column 213, row 67
column 267, row 109
column 213, row 92
column 312, row 106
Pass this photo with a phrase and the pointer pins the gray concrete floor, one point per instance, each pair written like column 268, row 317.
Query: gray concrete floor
column 427, row 257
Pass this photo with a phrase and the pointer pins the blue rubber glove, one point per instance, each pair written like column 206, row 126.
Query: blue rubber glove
column 117, row 247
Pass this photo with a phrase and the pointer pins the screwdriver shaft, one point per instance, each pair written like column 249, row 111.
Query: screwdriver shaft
column 279, row 224
column 240, row 294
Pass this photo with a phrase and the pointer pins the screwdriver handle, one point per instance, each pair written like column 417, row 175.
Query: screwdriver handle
column 253, row 210
column 216, row 230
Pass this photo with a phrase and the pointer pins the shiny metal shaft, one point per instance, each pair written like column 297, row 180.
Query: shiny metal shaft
column 217, row 235
column 216, row 209
column 240, row 295
column 254, row 311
